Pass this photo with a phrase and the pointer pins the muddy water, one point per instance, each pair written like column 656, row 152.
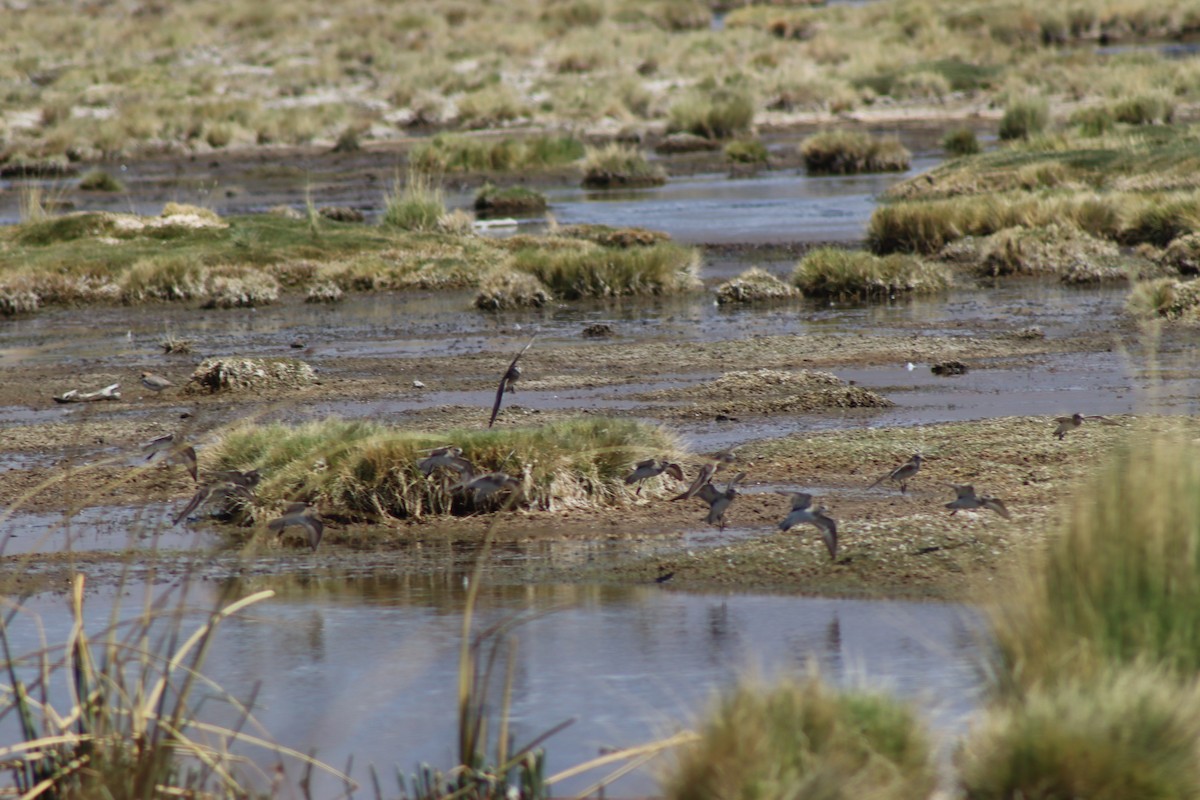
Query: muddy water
column 367, row 668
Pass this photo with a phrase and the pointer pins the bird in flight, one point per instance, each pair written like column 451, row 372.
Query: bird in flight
column 450, row 458
column 301, row 514
column 510, row 377
column 651, row 467
column 177, row 452
column 802, row 511
column 967, row 500
column 719, row 501
column 224, row 486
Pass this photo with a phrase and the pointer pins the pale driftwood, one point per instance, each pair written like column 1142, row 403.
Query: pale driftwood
column 76, row 396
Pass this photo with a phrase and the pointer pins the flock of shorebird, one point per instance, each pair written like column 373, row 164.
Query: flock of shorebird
column 222, row 488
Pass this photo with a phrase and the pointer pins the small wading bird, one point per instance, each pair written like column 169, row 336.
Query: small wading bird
column 177, row 452
column 719, row 501
column 649, row 468
column 802, row 511
column 510, row 377
column 902, row 474
column 155, row 383
column 967, row 500
column 222, row 487
column 301, row 514
column 450, row 458
column 1068, row 424
column 486, row 485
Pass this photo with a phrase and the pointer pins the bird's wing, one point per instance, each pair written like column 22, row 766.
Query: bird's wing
column 962, row 489
column 198, row 499
column 734, row 481
column 499, row 398
column 995, row 504
column 674, row 470
column 702, row 480
column 316, row 529
column 461, row 465
column 188, row 455
column 801, row 500
column 709, row 494
column 829, row 534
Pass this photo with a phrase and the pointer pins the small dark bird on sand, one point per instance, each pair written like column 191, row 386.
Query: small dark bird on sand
column 902, row 474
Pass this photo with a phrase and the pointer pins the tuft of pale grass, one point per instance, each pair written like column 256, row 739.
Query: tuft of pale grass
column 617, row 166
column 1166, row 298
column 961, row 142
column 804, row 739
column 1127, row 732
column 506, row 289
column 663, row 268
column 1120, row 582
column 855, row 274
column 720, row 114
column 99, row 180
column 851, row 152
column 1024, row 117
column 755, row 285
column 417, row 205
column 365, row 470
column 455, row 152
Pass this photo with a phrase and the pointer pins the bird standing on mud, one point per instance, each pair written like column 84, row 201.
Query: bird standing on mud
column 967, row 500
column 902, row 474
column 1068, row 424
column 510, row 377
column 802, row 511
column 155, row 383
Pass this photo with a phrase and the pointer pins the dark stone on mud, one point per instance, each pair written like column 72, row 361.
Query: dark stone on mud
column 947, row 368
column 342, row 214
column 599, row 330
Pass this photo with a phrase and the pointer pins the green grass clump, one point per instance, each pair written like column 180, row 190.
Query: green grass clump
column 98, row 180
column 494, row 200
column 804, row 739
column 1165, row 298
column 1024, row 117
column 1131, row 732
column 1143, row 109
column 452, row 152
column 960, row 142
column 746, row 151
column 851, row 152
column 616, row 166
column 1093, row 121
column 1121, row 581
column 418, row 205
column 574, row 273
column 855, row 274
column 369, row 471
column 719, row 114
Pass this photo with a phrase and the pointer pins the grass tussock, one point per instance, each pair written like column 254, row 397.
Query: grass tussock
column 1165, row 298
column 719, row 114
column 449, row 152
column 746, row 151
column 575, row 273
column 804, row 739
column 1121, row 581
column 616, row 166
column 608, row 236
column 365, row 470
column 417, row 205
column 755, row 285
column 961, row 142
column 1062, row 251
column 1130, row 218
column 493, row 200
column 507, row 289
column 1129, row 732
column 853, row 152
column 858, row 275
column 1024, row 117
column 98, row 180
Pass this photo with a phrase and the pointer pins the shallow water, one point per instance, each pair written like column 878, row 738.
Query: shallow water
column 368, row 668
